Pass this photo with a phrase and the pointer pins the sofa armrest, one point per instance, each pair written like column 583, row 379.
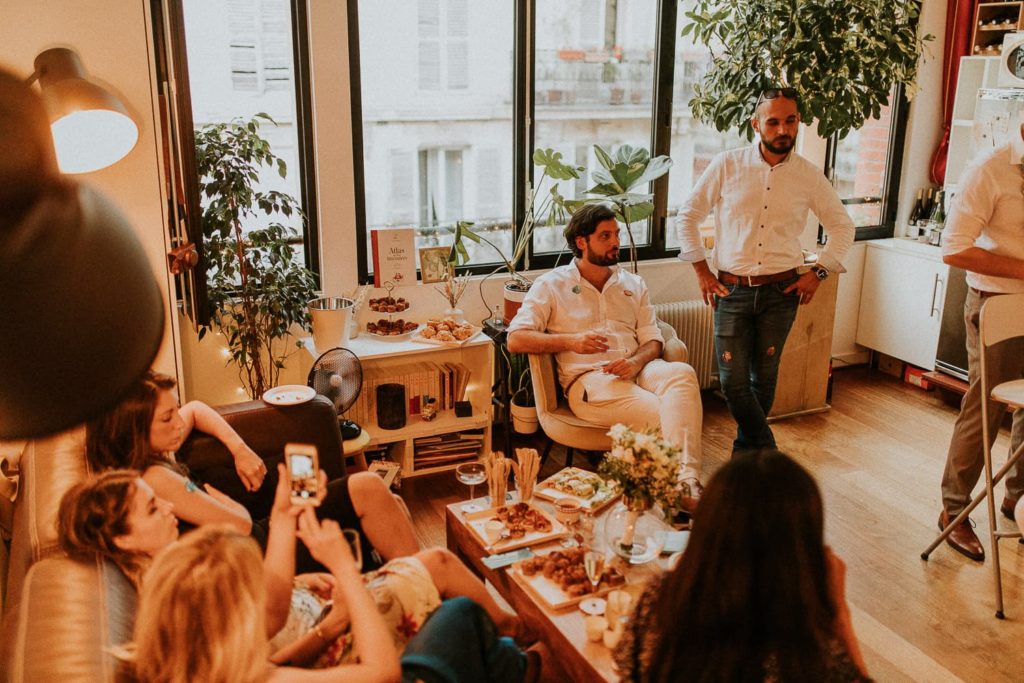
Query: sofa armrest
column 674, row 348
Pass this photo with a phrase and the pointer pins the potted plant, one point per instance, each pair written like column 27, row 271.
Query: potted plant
column 522, row 407
column 552, row 207
column 622, row 172
column 257, row 291
column 843, row 67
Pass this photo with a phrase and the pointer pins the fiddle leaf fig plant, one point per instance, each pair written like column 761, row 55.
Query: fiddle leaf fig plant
column 256, row 289
column 843, row 58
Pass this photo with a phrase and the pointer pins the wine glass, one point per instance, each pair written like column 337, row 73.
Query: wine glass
column 567, row 511
column 593, row 563
column 352, row 536
column 471, row 473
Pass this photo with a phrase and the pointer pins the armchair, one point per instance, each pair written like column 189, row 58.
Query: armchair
column 557, row 419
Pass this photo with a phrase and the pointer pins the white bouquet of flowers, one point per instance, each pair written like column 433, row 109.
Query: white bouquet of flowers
column 644, row 466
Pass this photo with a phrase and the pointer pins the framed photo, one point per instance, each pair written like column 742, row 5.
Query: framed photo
column 433, row 264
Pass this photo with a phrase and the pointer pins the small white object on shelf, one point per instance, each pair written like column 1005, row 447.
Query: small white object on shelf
column 289, row 395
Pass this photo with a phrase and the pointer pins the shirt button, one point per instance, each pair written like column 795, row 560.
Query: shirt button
column 758, row 244
column 766, row 206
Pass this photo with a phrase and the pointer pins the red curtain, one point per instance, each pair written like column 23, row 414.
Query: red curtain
column 959, row 25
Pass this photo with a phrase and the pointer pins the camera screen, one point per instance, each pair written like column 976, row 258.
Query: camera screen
column 302, row 474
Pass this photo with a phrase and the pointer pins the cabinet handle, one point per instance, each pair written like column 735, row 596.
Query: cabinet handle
column 935, row 291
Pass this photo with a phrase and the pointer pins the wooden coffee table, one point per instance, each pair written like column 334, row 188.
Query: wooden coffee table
column 562, row 631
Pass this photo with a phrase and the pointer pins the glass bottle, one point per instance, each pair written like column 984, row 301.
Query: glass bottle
column 937, row 220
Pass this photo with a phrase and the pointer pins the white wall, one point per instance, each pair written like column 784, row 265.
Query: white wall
column 112, row 38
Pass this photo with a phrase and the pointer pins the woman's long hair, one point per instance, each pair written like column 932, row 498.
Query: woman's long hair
column 201, row 612
column 93, row 514
column 750, row 595
column 120, row 438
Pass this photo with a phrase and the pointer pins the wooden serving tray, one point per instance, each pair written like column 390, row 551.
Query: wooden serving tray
column 476, row 520
column 596, row 501
column 549, row 593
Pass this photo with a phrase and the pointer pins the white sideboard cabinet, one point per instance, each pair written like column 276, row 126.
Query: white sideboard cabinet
column 902, row 296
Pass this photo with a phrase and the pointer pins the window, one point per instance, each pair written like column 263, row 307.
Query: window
column 864, row 168
column 450, row 101
column 233, row 59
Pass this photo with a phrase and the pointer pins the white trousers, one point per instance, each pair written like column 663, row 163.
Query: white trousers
column 665, row 396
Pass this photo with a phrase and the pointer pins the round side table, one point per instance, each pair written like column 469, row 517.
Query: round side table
column 354, row 448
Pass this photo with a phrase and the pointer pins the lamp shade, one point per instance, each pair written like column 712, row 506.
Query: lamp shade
column 81, row 315
column 91, row 127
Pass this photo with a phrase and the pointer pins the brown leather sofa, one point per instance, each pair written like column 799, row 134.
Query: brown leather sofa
column 62, row 616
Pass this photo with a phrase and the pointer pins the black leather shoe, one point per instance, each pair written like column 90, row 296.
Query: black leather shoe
column 1007, row 508
column 963, row 539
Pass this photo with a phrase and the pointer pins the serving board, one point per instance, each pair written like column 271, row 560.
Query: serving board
column 603, row 495
column 476, row 521
column 549, row 593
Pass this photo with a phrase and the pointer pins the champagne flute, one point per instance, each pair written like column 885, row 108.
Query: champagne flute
column 471, row 474
column 352, row 536
column 593, row 562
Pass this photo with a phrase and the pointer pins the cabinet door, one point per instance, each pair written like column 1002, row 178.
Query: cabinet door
column 901, row 305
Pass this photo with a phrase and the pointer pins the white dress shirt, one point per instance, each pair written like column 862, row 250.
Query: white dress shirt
column 562, row 301
column 988, row 213
column 760, row 213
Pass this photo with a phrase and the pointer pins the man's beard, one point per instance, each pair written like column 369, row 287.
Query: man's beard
column 600, row 260
column 776, row 148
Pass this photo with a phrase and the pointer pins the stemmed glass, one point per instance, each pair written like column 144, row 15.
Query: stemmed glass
column 352, row 536
column 471, row 473
column 593, row 562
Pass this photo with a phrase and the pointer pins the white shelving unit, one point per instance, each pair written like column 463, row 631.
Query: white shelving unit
column 976, row 73
column 477, row 355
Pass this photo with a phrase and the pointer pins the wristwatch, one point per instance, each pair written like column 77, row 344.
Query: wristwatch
column 820, row 271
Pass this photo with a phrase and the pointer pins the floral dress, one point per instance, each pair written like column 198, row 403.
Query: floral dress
column 405, row 595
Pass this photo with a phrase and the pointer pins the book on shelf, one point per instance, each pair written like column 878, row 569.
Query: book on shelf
column 394, row 256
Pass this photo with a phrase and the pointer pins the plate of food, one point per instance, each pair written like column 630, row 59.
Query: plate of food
column 524, row 525
column 446, row 332
column 589, row 489
column 388, row 304
column 559, row 579
column 392, row 329
column 289, row 395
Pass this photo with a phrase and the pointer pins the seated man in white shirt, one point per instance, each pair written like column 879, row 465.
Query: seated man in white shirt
column 598, row 321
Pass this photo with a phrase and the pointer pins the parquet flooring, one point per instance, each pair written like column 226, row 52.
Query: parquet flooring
column 878, row 457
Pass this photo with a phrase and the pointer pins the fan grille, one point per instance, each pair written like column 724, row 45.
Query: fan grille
column 338, row 375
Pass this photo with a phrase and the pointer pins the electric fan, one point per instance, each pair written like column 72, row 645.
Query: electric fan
column 338, row 375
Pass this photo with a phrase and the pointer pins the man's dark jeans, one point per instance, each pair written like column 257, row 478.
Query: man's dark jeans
column 751, row 326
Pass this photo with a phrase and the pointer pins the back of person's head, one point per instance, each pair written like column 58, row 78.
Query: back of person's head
column 584, row 223
column 201, row 612
column 120, row 438
column 93, row 514
column 751, row 592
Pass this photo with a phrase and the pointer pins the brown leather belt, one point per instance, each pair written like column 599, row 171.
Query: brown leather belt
column 755, row 280
column 984, row 294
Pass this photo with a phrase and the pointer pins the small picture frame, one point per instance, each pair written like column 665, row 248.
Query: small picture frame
column 433, row 264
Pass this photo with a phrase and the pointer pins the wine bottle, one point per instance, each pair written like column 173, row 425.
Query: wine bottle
column 915, row 211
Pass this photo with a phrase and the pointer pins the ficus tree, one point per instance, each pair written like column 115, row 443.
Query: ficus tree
column 842, row 56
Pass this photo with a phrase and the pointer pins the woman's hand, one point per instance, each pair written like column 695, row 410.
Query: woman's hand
column 326, row 543
column 250, row 467
column 283, row 507
column 338, row 618
column 320, row 583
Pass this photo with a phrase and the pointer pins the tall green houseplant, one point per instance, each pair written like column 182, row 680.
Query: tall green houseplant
column 256, row 289
column 843, row 57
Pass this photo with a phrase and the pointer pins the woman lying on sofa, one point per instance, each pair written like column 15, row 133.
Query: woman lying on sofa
column 146, row 429
column 117, row 517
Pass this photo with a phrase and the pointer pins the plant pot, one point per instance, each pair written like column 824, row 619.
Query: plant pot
column 524, row 418
column 514, row 296
column 330, row 317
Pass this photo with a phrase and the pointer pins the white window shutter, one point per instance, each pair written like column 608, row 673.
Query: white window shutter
column 400, row 186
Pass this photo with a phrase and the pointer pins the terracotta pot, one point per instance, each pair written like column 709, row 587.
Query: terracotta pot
column 513, row 301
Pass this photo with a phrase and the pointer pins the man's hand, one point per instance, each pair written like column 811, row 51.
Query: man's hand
column 624, row 368
column 709, row 284
column 805, row 286
column 589, row 342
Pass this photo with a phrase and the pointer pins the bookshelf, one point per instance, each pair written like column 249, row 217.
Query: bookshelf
column 992, row 21
column 476, row 355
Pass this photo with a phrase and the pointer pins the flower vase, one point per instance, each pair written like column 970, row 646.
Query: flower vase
column 633, row 532
column 455, row 313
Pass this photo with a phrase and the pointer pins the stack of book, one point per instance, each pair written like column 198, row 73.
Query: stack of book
column 445, row 382
column 447, row 449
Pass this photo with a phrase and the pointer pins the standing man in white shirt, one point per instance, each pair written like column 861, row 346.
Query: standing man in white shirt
column 598, row 321
column 984, row 235
column 761, row 196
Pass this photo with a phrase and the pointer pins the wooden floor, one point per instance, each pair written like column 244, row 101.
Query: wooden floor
column 878, row 456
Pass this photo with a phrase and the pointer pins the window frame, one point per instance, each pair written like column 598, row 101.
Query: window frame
column 171, row 57
column 524, row 129
column 889, row 198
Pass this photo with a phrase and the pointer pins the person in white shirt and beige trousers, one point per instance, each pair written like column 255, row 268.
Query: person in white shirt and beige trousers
column 598, row 321
column 762, row 196
column 984, row 235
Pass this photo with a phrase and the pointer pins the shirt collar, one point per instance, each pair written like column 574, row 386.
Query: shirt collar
column 577, row 276
column 760, row 157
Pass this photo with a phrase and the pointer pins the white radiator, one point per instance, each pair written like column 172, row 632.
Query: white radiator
column 693, row 322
